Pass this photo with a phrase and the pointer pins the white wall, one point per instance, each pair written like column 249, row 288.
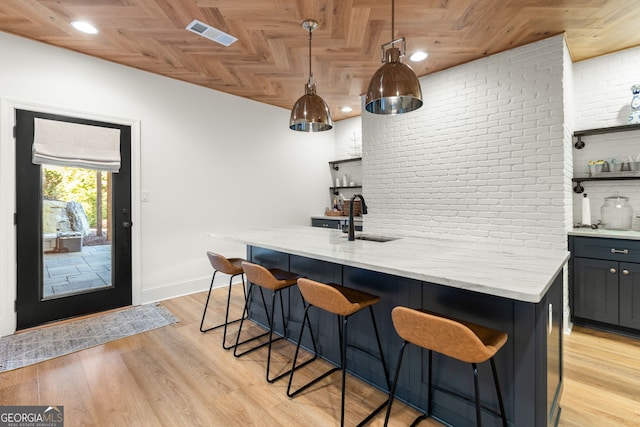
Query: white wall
column 483, row 159
column 210, row 162
column 348, row 141
column 603, row 99
column 348, row 145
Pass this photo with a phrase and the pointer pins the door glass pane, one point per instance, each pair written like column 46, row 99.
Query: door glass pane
column 76, row 230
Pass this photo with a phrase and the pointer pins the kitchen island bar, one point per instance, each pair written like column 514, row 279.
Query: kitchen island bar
column 516, row 290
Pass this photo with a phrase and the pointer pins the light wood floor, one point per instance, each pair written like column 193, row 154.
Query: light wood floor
column 177, row 376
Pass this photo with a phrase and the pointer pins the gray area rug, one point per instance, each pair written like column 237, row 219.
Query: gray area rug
column 38, row 345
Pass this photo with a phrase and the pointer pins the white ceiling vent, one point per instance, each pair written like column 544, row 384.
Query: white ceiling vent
column 207, row 31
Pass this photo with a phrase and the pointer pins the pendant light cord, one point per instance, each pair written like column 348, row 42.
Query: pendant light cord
column 310, row 72
column 393, row 18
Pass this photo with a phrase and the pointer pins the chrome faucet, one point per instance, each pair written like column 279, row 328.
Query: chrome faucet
column 352, row 228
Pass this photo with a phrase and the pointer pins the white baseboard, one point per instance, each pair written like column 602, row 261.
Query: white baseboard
column 174, row 290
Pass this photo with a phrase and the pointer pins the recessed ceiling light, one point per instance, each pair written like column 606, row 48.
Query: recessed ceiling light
column 84, row 26
column 346, row 109
column 418, row 56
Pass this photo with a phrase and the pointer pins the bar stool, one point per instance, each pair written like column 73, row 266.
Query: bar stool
column 343, row 302
column 275, row 280
column 232, row 267
column 464, row 341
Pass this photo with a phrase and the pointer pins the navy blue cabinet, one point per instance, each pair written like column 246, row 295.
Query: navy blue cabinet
column 630, row 295
column 605, row 286
column 336, row 223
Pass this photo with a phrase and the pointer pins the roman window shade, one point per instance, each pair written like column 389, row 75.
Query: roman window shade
column 76, row 145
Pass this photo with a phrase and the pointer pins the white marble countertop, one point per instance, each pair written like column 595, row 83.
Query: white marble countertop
column 522, row 274
column 601, row 232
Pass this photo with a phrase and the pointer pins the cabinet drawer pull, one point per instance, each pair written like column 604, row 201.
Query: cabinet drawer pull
column 625, row 272
column 612, row 270
column 619, row 251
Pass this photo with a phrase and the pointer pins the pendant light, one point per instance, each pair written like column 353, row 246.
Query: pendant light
column 310, row 113
column 394, row 88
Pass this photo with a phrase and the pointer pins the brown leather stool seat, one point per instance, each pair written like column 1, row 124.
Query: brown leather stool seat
column 464, row 341
column 343, row 302
column 232, row 267
column 275, row 280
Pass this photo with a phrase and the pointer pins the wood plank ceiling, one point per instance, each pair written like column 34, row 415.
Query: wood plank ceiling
column 269, row 62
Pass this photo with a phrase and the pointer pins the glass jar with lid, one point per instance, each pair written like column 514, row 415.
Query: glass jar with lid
column 617, row 213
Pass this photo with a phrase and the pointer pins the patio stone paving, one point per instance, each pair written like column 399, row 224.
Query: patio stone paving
column 72, row 272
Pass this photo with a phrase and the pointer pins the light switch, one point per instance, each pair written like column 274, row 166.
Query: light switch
column 144, row 196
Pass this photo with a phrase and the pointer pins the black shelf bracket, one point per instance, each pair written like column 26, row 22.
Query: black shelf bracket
column 578, row 189
column 334, row 164
column 579, row 143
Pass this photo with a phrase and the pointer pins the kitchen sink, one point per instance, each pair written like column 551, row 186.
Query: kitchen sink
column 374, row 238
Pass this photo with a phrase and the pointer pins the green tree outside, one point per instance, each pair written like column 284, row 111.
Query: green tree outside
column 74, row 185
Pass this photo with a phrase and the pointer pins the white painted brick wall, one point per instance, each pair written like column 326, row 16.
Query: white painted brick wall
column 483, row 159
column 569, row 120
column 596, row 94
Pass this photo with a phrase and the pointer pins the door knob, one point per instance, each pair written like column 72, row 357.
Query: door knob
column 612, row 270
column 625, row 272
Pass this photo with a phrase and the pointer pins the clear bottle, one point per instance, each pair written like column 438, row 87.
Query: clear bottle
column 617, row 213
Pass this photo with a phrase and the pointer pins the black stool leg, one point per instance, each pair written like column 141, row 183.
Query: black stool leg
column 343, row 322
column 295, row 357
column 384, row 363
column 477, row 389
column 226, row 321
column 430, row 400
column 245, row 313
column 495, row 380
column 226, row 317
column 285, row 333
column 384, row 368
column 271, row 340
column 271, row 326
column 395, row 382
column 285, row 320
column 430, row 394
column 343, row 363
column 206, row 304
